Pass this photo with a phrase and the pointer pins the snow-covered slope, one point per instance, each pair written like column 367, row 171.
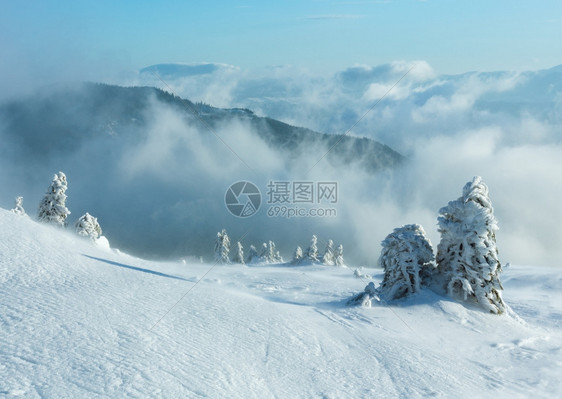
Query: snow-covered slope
column 80, row 321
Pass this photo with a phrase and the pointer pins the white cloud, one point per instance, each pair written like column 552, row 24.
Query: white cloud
column 464, row 97
column 376, row 91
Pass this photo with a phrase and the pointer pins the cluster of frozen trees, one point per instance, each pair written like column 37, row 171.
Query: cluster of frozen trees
column 330, row 256
column 268, row 253
column 53, row 210
column 466, row 266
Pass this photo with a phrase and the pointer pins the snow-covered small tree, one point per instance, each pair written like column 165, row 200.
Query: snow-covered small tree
column 278, row 257
column 328, row 257
column 18, row 209
column 253, row 255
column 359, row 274
column 88, row 226
column 271, row 252
column 312, row 251
column 405, row 253
column 239, row 256
column 297, row 257
column 222, row 247
column 264, row 253
column 338, row 256
column 52, row 208
column 467, row 256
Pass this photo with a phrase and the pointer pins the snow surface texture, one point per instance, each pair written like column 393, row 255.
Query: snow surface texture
column 77, row 320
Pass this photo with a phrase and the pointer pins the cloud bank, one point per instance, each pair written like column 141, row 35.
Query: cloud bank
column 504, row 126
column 165, row 186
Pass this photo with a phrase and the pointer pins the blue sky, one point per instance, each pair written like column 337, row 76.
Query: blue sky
column 92, row 40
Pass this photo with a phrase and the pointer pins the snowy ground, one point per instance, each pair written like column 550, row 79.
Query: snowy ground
column 79, row 321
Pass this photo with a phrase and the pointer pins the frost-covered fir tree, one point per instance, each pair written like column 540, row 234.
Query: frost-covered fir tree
column 338, row 256
column 239, row 256
column 264, row 253
column 278, row 257
column 467, row 256
column 297, row 257
column 52, row 208
column 253, row 255
column 88, row 226
column 271, row 252
column 312, row 251
column 222, row 247
column 18, row 209
column 405, row 253
column 328, row 257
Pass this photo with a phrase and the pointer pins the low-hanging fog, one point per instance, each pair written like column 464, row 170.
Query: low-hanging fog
column 504, row 126
column 159, row 190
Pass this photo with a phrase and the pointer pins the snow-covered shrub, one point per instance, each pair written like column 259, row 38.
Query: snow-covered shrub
column 253, row 256
column 467, row 257
column 338, row 256
column 366, row 297
column 328, row 257
column 297, row 257
column 239, row 256
column 222, row 247
column 52, row 208
column 405, row 253
column 88, row 226
column 18, row 209
column 312, row 251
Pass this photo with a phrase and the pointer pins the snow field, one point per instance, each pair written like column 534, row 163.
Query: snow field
column 78, row 321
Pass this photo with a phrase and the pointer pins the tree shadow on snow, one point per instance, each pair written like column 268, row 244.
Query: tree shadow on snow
column 139, row 269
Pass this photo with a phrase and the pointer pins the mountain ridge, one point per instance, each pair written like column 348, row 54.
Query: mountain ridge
column 147, row 164
column 109, row 107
